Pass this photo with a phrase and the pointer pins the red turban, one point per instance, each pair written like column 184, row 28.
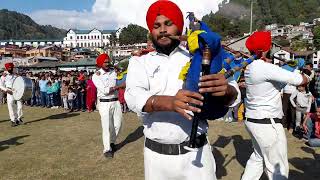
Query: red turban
column 101, row 59
column 8, row 65
column 259, row 42
column 168, row 9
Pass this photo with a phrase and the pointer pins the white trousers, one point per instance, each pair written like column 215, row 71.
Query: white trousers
column 65, row 102
column 190, row 166
column 15, row 108
column 111, row 117
column 270, row 152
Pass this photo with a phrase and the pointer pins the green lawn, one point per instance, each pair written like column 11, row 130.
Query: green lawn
column 58, row 145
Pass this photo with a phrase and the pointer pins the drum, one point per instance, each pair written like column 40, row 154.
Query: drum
column 22, row 88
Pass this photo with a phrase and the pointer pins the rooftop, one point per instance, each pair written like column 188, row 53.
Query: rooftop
column 32, row 40
column 77, row 31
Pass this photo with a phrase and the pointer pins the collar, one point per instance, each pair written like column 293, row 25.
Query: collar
column 179, row 48
column 105, row 72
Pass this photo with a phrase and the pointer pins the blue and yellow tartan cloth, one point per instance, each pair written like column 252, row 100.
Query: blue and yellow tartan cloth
column 214, row 107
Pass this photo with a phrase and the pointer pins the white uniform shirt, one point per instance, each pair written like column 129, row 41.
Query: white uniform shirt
column 264, row 82
column 303, row 99
column 104, row 82
column 7, row 82
column 158, row 74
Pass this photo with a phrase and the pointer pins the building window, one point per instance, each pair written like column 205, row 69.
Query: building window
column 70, row 37
column 85, row 44
column 91, row 37
column 81, row 45
column 81, row 37
column 71, row 45
column 77, row 37
column 78, row 44
column 95, row 44
column 95, row 37
column 103, row 37
column 98, row 37
column 315, row 62
column 85, row 37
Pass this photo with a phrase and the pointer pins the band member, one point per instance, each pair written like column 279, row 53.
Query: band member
column 109, row 106
column 264, row 111
column 154, row 91
column 14, row 107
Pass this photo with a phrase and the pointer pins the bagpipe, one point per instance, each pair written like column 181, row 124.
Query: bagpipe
column 207, row 57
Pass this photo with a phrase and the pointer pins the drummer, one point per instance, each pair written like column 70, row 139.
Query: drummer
column 14, row 107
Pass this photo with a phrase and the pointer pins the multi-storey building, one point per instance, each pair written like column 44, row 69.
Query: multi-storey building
column 89, row 38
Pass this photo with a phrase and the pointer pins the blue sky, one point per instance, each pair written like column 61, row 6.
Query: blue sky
column 28, row 6
column 101, row 14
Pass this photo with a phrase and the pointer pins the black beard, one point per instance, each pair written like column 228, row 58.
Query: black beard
column 166, row 49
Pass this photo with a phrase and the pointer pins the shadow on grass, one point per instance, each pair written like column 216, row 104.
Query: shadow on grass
column 132, row 137
column 309, row 166
column 2, row 121
column 221, row 142
column 55, row 117
column 11, row 142
column 243, row 149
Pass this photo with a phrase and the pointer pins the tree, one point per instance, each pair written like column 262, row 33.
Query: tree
column 316, row 38
column 133, row 34
column 113, row 39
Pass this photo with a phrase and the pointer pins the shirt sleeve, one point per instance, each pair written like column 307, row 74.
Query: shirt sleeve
column 2, row 85
column 235, row 85
column 137, row 86
column 309, row 103
column 293, row 95
column 100, row 85
column 278, row 74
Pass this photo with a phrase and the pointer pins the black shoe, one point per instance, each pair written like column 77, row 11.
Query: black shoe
column 20, row 121
column 113, row 147
column 108, row 154
column 298, row 133
column 14, row 124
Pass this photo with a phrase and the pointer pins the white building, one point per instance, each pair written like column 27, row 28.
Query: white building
column 32, row 42
column 88, row 38
column 283, row 54
column 125, row 50
column 316, row 59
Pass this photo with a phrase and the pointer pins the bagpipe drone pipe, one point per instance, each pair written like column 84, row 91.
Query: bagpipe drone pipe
column 207, row 57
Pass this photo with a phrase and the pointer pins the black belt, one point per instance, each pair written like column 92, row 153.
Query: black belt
column 174, row 149
column 264, row 121
column 109, row 100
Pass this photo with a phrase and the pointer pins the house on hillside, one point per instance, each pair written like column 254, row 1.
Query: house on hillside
column 289, row 55
column 12, row 50
column 47, row 51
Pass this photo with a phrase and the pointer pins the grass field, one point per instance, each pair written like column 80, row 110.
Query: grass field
column 57, row 145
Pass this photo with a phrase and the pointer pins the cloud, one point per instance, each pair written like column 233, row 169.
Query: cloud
column 112, row 14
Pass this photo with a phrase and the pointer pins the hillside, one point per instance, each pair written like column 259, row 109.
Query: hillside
column 14, row 25
column 233, row 18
